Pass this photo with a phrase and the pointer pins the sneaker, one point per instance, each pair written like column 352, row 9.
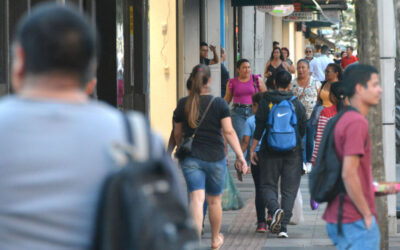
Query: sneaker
column 283, row 233
column 276, row 221
column 269, row 221
column 261, row 227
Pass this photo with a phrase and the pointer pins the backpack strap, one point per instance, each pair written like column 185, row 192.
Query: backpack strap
column 138, row 135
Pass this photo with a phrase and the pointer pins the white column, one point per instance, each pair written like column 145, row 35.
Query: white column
column 247, row 34
column 229, row 63
column 268, row 38
column 387, row 50
column 259, row 44
column 190, row 40
column 213, row 36
column 277, row 30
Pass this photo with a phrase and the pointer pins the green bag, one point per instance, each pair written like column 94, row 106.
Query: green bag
column 231, row 199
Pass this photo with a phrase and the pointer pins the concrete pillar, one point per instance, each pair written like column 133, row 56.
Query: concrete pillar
column 285, row 35
column 229, row 33
column 190, row 40
column 247, row 34
column 387, row 50
column 268, row 36
column 259, row 44
column 213, row 36
column 277, row 30
column 298, row 53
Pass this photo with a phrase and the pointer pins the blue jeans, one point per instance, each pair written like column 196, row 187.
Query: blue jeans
column 355, row 235
column 239, row 117
column 206, row 175
column 308, row 142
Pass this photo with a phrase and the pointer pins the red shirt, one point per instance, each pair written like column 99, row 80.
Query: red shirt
column 352, row 138
column 346, row 61
column 326, row 114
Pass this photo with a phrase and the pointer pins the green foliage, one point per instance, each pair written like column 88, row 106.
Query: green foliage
column 346, row 35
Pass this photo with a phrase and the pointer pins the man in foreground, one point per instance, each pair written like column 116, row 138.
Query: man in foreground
column 55, row 140
column 352, row 143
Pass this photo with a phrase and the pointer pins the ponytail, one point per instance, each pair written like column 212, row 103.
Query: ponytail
column 338, row 93
column 199, row 77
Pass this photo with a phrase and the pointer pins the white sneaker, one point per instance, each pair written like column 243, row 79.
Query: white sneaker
column 309, row 167
column 283, row 235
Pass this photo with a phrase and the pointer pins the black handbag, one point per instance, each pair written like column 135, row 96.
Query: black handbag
column 186, row 146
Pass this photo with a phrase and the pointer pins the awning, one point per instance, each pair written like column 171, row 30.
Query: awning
column 260, row 2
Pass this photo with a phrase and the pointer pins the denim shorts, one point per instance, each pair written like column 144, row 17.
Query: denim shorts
column 355, row 235
column 209, row 176
column 239, row 116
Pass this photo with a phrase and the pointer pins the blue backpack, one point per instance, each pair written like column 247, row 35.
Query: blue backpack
column 282, row 124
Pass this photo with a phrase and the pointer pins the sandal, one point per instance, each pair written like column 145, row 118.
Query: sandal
column 220, row 242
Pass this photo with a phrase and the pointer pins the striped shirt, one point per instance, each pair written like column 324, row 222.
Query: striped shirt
column 326, row 114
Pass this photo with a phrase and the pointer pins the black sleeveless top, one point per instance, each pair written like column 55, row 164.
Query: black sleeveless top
column 273, row 70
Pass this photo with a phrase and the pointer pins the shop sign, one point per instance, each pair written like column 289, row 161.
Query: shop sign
column 277, row 10
column 299, row 17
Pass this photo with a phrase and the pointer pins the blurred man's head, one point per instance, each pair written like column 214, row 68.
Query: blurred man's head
column 54, row 41
column 275, row 44
column 283, row 80
column 203, row 50
column 324, row 50
column 349, row 51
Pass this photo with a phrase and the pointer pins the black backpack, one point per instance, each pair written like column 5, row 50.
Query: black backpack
column 325, row 179
column 141, row 206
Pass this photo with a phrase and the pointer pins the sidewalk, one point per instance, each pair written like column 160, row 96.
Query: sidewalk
column 239, row 226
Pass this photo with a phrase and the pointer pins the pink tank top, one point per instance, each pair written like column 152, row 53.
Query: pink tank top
column 243, row 91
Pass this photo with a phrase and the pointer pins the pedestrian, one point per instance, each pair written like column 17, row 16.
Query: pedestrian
column 306, row 88
column 255, row 169
column 240, row 90
column 275, row 64
column 55, row 140
column 201, row 116
column 333, row 73
column 338, row 58
column 273, row 163
column 275, row 44
column 285, row 53
column 318, row 65
column 349, row 58
column 317, row 50
column 204, row 54
column 224, row 73
column 352, row 143
column 309, row 53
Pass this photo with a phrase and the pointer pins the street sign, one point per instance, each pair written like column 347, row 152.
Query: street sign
column 260, row 2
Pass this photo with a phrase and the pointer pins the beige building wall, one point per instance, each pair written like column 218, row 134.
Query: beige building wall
column 300, row 45
column 277, row 30
column 162, row 26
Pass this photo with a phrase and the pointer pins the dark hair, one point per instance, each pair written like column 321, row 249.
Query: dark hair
column 203, row 44
column 241, row 61
column 199, row 77
column 338, row 94
column 272, row 53
column 341, row 53
column 287, row 50
column 304, row 61
column 56, row 38
column 350, row 47
column 189, row 84
column 274, row 43
column 282, row 79
column 357, row 74
column 256, row 98
column 324, row 49
column 317, row 47
column 337, row 69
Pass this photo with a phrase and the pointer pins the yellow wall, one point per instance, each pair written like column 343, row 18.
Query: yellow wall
column 162, row 18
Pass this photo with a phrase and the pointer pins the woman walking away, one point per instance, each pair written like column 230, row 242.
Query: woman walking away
column 201, row 116
column 275, row 64
column 241, row 89
column 337, row 98
column 285, row 53
column 306, row 88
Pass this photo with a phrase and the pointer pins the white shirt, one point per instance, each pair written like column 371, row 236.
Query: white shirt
column 318, row 66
